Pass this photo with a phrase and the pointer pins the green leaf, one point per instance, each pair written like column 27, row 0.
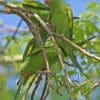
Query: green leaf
column 86, row 86
column 35, row 4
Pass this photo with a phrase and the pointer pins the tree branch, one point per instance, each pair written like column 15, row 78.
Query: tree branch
column 34, row 30
column 77, row 47
column 94, row 87
column 50, row 33
column 13, row 36
column 10, row 59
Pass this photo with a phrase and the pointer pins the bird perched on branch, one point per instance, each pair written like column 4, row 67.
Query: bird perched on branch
column 62, row 20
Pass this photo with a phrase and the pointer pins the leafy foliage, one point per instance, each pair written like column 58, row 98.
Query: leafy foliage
column 59, row 20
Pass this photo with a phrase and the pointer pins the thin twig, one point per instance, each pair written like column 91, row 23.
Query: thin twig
column 56, row 90
column 32, row 27
column 44, row 53
column 41, row 43
column 13, row 36
column 77, row 47
column 95, row 86
column 65, row 62
column 84, row 41
column 10, row 59
column 43, row 24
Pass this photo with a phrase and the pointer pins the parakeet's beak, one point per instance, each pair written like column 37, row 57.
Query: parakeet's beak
column 47, row 2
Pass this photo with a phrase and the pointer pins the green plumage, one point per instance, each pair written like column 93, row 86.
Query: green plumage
column 36, row 7
column 34, row 59
column 35, row 62
column 35, row 4
column 62, row 20
column 58, row 17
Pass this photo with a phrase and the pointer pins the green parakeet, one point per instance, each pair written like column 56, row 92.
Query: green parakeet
column 36, row 4
column 34, row 61
column 34, row 58
column 42, row 10
column 62, row 20
column 36, row 7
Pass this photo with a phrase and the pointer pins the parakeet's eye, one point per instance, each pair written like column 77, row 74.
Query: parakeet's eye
column 22, row 71
column 26, row 75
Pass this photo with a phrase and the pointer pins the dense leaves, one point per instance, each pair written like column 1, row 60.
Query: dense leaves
column 78, row 68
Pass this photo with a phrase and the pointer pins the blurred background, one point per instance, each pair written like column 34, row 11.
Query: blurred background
column 13, row 30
